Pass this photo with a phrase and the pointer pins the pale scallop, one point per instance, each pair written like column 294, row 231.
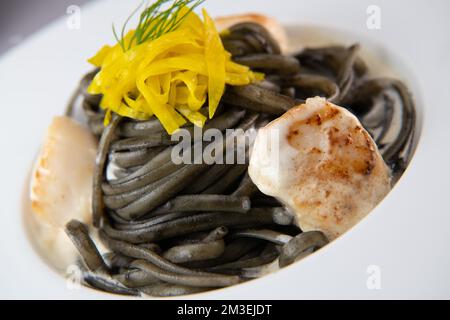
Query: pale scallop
column 322, row 164
column 272, row 25
column 61, row 182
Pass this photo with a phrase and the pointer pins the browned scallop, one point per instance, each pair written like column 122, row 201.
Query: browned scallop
column 61, row 184
column 325, row 166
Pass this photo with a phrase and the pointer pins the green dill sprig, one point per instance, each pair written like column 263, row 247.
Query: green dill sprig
column 154, row 21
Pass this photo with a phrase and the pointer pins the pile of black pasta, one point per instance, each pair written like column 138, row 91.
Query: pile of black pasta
column 174, row 229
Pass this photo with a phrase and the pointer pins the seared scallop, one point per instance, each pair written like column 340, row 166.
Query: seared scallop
column 272, row 25
column 322, row 164
column 61, row 182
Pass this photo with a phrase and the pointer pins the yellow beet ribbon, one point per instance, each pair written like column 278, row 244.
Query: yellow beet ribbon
column 170, row 77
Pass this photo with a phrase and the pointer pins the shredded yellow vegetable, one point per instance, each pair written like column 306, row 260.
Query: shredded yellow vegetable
column 170, row 77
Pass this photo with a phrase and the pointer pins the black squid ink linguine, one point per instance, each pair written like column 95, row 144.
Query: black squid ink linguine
column 174, row 229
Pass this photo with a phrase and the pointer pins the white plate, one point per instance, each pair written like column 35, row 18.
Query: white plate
column 406, row 237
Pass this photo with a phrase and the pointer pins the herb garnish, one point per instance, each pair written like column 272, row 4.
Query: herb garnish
column 155, row 21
